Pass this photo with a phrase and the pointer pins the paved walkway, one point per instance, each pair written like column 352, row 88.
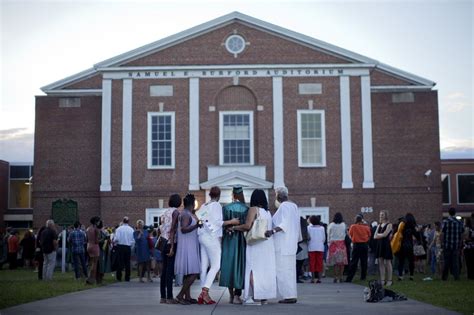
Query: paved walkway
column 136, row 298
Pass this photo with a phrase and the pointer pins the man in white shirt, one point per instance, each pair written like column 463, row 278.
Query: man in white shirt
column 286, row 232
column 124, row 241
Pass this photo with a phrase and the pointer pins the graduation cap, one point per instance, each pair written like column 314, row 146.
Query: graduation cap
column 237, row 190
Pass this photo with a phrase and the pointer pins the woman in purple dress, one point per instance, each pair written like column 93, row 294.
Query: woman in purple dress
column 187, row 254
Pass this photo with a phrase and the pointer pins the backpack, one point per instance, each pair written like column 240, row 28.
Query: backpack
column 374, row 293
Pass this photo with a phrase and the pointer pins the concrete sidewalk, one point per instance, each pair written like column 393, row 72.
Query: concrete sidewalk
column 135, row 298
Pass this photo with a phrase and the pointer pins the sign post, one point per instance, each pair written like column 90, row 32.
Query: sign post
column 64, row 214
column 63, row 252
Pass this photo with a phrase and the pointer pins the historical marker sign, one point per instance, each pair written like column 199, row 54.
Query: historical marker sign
column 64, row 211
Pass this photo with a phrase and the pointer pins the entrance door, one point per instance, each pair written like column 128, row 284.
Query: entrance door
column 153, row 216
column 309, row 211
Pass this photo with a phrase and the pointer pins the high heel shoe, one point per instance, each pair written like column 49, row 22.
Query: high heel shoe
column 205, row 299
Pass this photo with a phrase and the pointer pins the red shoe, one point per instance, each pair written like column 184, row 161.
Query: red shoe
column 200, row 299
column 205, row 299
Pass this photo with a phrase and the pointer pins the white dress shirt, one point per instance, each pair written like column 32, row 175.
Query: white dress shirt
column 287, row 218
column 211, row 215
column 124, row 235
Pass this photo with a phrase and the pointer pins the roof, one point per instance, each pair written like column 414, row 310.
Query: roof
column 225, row 20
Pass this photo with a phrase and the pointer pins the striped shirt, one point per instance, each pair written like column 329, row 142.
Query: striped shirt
column 452, row 233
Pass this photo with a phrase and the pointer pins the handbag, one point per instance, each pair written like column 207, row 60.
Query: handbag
column 257, row 231
column 396, row 243
column 418, row 250
column 161, row 243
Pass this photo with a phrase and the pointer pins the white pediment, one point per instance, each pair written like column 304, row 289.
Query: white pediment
column 220, row 22
column 237, row 178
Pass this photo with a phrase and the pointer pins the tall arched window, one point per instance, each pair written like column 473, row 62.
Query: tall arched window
column 236, row 128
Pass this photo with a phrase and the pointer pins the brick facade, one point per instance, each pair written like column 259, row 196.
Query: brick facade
column 405, row 135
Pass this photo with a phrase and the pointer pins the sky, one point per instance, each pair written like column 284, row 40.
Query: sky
column 45, row 41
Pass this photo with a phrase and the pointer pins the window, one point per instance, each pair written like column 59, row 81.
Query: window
column 445, row 183
column 20, row 187
column 465, row 188
column 235, row 44
column 311, row 138
column 161, row 140
column 69, row 102
column 236, row 138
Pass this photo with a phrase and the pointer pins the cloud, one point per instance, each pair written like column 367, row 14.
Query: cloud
column 456, row 102
column 457, row 153
column 456, row 148
column 15, row 134
column 455, row 95
column 16, row 145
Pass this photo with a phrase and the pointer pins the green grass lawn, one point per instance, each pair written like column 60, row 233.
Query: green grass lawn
column 22, row 286
column 454, row 295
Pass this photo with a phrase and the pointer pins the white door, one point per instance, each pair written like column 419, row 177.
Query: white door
column 153, row 216
column 322, row 211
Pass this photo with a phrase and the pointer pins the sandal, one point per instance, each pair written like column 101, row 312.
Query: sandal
column 182, row 301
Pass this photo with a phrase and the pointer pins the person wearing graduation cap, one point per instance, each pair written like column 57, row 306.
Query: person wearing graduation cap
column 233, row 248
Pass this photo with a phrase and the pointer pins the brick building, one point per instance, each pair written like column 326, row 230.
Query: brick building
column 237, row 100
column 457, row 176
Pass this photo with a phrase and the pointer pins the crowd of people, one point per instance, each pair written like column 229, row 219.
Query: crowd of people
column 382, row 247
column 256, row 255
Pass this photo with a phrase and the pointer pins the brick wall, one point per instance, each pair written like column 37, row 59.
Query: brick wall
column 264, row 48
column 66, row 154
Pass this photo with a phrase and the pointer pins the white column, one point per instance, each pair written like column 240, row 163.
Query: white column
column 194, row 134
column 106, row 134
column 278, row 132
column 367, row 132
column 346, row 133
column 127, row 136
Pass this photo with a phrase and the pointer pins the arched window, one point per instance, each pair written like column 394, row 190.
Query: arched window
column 236, row 128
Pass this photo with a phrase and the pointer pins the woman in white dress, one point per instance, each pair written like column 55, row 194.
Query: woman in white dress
column 260, row 269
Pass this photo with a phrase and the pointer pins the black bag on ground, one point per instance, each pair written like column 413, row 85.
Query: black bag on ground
column 376, row 293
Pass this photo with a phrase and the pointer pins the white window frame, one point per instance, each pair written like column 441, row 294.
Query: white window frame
column 323, row 137
column 449, row 187
column 173, row 140
column 221, row 136
column 457, row 188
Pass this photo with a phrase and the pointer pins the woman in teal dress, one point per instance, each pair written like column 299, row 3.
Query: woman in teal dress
column 233, row 248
